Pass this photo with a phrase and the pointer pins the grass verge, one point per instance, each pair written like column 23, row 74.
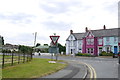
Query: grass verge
column 36, row 68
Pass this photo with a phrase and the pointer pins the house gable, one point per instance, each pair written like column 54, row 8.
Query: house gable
column 71, row 37
column 89, row 35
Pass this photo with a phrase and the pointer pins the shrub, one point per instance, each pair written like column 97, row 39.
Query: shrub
column 106, row 54
column 84, row 54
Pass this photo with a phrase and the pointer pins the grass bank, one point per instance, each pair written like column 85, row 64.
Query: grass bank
column 36, row 68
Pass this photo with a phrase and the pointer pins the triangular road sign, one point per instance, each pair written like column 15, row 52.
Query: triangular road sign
column 54, row 39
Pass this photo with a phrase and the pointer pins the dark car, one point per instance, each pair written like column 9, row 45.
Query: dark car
column 119, row 57
column 115, row 55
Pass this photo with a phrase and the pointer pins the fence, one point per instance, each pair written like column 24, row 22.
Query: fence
column 9, row 59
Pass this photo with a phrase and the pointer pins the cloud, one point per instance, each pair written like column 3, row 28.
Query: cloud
column 18, row 18
column 58, row 7
column 57, row 25
column 21, row 38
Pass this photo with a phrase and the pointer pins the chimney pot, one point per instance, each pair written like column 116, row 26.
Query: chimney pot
column 104, row 27
column 71, row 31
column 86, row 29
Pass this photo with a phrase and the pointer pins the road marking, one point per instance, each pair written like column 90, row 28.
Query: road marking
column 93, row 74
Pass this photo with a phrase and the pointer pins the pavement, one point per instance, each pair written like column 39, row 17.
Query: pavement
column 72, row 71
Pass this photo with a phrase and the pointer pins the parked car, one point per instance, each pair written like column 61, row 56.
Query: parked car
column 119, row 57
column 36, row 53
column 115, row 55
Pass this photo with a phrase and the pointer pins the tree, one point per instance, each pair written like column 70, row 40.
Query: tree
column 61, row 48
column 25, row 49
column 45, row 44
column 38, row 44
column 2, row 41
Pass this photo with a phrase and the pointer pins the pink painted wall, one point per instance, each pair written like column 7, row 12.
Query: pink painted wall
column 95, row 46
column 84, row 46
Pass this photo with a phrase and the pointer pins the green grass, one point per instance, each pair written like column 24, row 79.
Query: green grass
column 36, row 68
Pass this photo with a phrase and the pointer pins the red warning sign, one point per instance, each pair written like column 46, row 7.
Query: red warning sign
column 54, row 39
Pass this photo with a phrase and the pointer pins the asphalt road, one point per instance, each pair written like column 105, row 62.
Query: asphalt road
column 104, row 67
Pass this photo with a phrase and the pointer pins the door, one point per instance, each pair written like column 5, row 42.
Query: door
column 100, row 50
column 115, row 50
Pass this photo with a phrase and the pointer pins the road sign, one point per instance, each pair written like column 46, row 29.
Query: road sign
column 54, row 50
column 54, row 47
column 54, row 39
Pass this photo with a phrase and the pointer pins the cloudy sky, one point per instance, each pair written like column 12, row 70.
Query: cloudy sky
column 19, row 19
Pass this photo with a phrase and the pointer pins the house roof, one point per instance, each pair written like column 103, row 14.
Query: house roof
column 106, row 32
column 41, row 47
column 79, row 36
column 99, row 33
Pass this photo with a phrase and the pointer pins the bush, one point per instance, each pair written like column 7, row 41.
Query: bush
column 84, row 54
column 106, row 54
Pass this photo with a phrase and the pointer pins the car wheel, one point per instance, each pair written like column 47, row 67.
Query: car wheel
column 113, row 56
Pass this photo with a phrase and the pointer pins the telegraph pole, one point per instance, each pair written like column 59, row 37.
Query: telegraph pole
column 35, row 38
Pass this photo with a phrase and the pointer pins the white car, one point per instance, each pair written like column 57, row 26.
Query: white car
column 36, row 53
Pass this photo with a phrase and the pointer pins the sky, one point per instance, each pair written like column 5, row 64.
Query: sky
column 20, row 19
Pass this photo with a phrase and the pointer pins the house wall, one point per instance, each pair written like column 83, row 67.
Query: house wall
column 111, row 42
column 80, row 43
column 84, row 45
column 95, row 46
column 71, row 44
column 67, row 47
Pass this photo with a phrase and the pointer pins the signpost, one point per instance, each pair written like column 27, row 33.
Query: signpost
column 54, row 46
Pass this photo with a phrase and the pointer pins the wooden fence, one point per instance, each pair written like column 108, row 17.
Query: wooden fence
column 9, row 59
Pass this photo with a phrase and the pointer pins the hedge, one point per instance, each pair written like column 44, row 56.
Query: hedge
column 84, row 54
column 106, row 54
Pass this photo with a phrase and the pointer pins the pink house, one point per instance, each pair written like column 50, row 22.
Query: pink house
column 90, row 43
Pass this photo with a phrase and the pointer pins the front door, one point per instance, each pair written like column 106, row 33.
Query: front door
column 115, row 50
column 100, row 50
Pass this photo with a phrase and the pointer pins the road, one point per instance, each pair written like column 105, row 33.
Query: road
column 104, row 67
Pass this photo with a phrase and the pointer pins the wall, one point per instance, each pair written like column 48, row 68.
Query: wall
column 71, row 44
column 111, row 42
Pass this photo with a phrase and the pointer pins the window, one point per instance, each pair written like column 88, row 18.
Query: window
column 90, row 41
column 100, row 41
column 107, row 39
column 80, row 42
column 91, row 50
column 88, row 50
column 115, row 39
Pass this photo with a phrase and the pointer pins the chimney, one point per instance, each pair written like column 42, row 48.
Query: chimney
column 86, row 29
column 71, row 31
column 104, row 27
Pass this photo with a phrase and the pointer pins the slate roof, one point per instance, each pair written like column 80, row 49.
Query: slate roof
column 79, row 36
column 99, row 33
column 106, row 32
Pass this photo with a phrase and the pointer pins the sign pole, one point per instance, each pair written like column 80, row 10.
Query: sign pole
column 51, row 56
